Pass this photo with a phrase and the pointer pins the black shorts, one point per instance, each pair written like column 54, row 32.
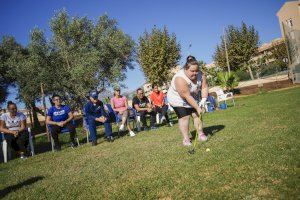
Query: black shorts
column 182, row 111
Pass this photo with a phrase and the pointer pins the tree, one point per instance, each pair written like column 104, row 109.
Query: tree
column 90, row 56
column 227, row 80
column 242, row 44
column 8, row 48
column 279, row 55
column 158, row 52
column 30, row 68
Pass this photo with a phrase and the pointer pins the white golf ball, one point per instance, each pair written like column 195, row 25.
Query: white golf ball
column 207, row 149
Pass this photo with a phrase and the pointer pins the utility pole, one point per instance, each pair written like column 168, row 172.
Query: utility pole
column 226, row 53
column 189, row 49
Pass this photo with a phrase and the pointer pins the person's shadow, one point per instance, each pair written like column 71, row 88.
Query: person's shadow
column 209, row 131
column 13, row 188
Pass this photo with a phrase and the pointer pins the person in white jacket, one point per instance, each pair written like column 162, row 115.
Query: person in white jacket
column 187, row 86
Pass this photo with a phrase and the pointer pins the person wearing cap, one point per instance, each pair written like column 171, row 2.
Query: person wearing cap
column 95, row 114
column 58, row 117
column 119, row 104
column 157, row 99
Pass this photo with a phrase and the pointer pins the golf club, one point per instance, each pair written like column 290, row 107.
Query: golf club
column 193, row 150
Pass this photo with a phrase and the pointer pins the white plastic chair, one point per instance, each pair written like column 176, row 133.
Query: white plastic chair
column 7, row 151
column 221, row 96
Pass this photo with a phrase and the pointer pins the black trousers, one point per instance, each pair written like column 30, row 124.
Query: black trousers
column 143, row 114
column 55, row 130
column 163, row 110
column 18, row 143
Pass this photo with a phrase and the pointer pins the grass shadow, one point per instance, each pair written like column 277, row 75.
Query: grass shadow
column 13, row 188
column 209, row 131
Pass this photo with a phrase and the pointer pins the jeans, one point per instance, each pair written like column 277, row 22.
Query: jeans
column 92, row 125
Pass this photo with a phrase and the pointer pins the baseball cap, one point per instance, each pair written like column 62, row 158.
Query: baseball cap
column 93, row 94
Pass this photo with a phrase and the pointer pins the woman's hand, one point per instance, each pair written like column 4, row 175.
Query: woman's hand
column 15, row 133
column 101, row 119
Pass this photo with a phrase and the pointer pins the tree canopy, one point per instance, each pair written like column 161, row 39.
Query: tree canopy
column 158, row 53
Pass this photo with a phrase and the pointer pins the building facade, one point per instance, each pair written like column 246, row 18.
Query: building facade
column 289, row 20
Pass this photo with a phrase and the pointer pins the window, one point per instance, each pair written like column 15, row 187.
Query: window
column 289, row 22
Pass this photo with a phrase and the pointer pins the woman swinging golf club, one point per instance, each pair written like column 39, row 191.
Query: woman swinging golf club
column 184, row 95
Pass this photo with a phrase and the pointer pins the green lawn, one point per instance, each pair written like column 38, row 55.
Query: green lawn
column 254, row 155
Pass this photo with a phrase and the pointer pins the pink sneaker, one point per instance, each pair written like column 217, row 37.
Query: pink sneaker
column 187, row 143
column 202, row 137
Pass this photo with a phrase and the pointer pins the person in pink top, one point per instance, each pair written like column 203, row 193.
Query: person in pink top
column 120, row 105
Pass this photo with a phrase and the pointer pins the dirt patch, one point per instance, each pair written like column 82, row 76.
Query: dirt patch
column 253, row 89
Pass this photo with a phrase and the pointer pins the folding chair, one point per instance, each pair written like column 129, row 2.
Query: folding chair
column 7, row 150
column 63, row 131
column 133, row 118
column 221, row 96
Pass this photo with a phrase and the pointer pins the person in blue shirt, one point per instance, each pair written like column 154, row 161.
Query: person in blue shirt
column 95, row 115
column 58, row 117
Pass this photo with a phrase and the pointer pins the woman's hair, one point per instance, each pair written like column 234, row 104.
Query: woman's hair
column 188, row 64
column 190, row 58
column 115, row 92
column 154, row 84
column 10, row 103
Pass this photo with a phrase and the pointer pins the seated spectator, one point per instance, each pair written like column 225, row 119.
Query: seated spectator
column 95, row 114
column 13, row 125
column 143, row 107
column 120, row 105
column 58, row 117
column 158, row 101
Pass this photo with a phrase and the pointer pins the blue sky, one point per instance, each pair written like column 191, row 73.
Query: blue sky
column 196, row 22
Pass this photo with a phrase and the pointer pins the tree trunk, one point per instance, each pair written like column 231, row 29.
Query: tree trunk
column 30, row 116
column 36, row 124
column 250, row 72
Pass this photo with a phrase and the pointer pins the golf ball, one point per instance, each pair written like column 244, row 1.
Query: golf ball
column 207, row 149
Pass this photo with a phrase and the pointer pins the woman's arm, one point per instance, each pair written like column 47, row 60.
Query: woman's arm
column 23, row 125
column 126, row 103
column 183, row 90
column 3, row 129
column 204, row 89
column 112, row 104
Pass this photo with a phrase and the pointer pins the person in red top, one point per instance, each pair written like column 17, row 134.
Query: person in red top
column 158, row 101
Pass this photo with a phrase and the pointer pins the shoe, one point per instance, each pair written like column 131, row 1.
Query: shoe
column 153, row 128
column 94, row 143
column 110, row 138
column 73, row 144
column 202, row 137
column 122, row 127
column 170, row 124
column 146, row 128
column 22, row 156
column 163, row 119
column 187, row 143
column 132, row 134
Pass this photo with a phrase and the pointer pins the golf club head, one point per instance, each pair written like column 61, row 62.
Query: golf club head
column 192, row 151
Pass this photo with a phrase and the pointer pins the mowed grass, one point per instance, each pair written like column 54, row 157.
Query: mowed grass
column 254, row 154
